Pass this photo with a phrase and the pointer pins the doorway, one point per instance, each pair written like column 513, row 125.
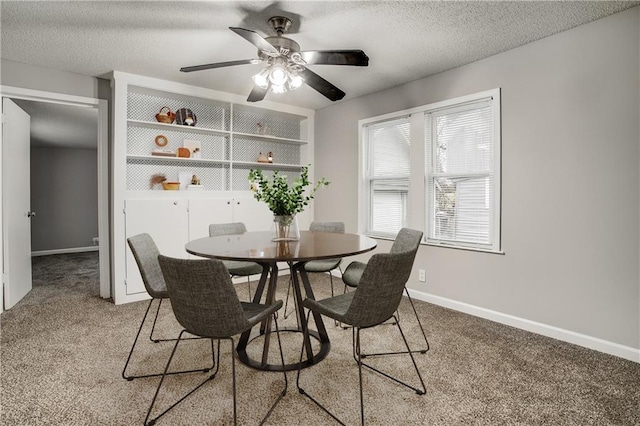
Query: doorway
column 91, row 106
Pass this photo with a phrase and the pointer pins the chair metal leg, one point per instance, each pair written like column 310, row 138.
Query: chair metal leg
column 408, row 351
column 148, row 422
column 135, row 341
column 282, row 393
column 286, row 382
column 422, row 351
column 300, row 389
column 359, row 361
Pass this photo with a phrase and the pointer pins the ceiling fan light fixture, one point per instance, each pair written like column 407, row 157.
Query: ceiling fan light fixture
column 295, row 81
column 278, row 88
column 278, row 75
column 262, row 78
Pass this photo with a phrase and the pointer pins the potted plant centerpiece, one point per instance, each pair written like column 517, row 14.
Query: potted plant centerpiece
column 283, row 200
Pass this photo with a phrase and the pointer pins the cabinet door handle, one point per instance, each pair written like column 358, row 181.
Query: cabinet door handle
column 175, row 203
column 238, row 202
column 228, row 202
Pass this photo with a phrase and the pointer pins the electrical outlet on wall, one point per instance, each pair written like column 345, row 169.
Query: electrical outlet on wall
column 422, row 277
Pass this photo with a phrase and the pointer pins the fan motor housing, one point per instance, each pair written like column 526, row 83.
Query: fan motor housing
column 281, row 43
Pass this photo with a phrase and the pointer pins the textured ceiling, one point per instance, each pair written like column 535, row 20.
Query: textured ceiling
column 405, row 40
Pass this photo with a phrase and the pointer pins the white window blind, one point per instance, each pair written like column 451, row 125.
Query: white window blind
column 460, row 175
column 386, row 182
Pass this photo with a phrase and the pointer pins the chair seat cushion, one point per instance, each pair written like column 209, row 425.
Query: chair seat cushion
column 242, row 269
column 333, row 307
column 256, row 312
column 351, row 276
column 323, row 265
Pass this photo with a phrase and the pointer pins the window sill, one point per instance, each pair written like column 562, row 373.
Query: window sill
column 453, row 246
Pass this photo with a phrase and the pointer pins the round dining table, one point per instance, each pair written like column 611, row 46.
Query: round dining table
column 259, row 247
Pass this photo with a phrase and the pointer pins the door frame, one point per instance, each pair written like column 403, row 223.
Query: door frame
column 101, row 105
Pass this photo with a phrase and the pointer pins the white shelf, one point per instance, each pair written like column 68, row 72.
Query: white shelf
column 276, row 166
column 182, row 159
column 270, row 138
column 177, row 127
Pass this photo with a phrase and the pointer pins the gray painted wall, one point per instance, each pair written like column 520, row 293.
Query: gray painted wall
column 64, row 195
column 570, row 176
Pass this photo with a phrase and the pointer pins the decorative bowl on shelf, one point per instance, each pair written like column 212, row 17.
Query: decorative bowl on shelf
column 165, row 116
column 171, row 186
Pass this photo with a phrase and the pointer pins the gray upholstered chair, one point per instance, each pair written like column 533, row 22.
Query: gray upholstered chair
column 322, row 265
column 145, row 252
column 206, row 304
column 236, row 268
column 353, row 273
column 374, row 301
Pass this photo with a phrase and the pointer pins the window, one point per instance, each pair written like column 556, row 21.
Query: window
column 387, row 177
column 455, row 191
column 460, row 175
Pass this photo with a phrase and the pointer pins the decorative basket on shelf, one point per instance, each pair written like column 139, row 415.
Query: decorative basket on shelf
column 165, row 116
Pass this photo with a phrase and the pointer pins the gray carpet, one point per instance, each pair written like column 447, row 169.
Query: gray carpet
column 63, row 349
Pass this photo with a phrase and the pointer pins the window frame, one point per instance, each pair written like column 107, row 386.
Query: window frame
column 366, row 183
column 418, row 206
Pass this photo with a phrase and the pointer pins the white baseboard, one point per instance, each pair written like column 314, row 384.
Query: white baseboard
column 63, row 251
column 611, row 348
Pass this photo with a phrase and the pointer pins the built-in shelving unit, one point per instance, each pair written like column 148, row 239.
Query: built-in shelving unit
column 231, row 133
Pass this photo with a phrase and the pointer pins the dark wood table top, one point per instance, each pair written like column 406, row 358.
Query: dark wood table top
column 258, row 247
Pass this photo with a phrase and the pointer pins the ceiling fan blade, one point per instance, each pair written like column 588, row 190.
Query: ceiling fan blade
column 220, row 65
column 255, row 39
column 321, row 85
column 257, row 94
column 335, row 57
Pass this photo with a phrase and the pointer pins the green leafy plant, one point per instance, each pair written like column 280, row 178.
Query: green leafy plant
column 282, row 199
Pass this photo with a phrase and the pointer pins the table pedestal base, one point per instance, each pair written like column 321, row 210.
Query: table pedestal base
column 307, row 362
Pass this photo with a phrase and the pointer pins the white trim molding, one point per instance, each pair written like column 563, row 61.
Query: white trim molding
column 64, row 251
column 600, row 345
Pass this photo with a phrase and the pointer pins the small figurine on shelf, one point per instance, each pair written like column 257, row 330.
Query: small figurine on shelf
column 260, row 128
column 263, row 158
column 270, row 157
column 195, row 184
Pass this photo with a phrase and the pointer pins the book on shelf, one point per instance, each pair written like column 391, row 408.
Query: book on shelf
column 163, row 153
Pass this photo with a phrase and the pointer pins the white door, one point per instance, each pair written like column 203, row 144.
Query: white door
column 167, row 223
column 16, row 190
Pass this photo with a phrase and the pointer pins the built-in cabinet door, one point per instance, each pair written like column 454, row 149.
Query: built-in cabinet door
column 166, row 221
column 255, row 214
column 203, row 212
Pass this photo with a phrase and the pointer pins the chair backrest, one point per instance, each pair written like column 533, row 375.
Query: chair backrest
column 337, row 227
column 407, row 239
column 145, row 252
column 234, row 228
column 203, row 298
column 379, row 291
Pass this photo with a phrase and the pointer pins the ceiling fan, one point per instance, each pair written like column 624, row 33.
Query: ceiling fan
column 286, row 66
